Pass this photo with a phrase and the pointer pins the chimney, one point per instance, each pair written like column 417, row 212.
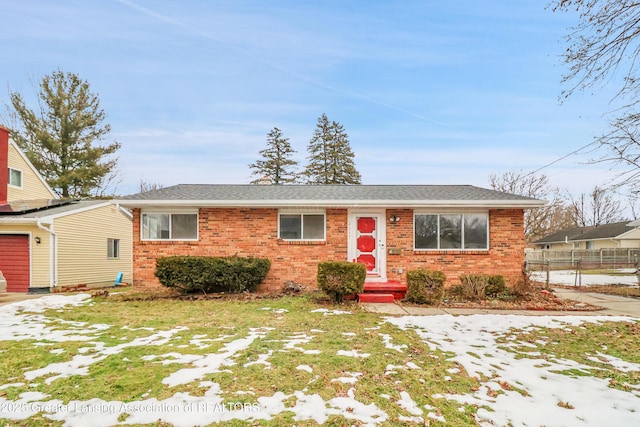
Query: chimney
column 4, row 164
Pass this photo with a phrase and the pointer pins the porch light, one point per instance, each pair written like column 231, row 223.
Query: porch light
column 394, row 218
column 37, row 239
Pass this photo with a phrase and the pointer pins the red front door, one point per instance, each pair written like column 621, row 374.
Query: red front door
column 367, row 243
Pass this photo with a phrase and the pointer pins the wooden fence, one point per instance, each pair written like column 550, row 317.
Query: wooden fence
column 586, row 258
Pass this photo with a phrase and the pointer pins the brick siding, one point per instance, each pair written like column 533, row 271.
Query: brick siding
column 254, row 232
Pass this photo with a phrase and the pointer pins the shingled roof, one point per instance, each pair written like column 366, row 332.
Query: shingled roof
column 327, row 195
column 603, row 231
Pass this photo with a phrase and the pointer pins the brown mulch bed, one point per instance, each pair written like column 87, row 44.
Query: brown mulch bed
column 535, row 301
column 538, row 299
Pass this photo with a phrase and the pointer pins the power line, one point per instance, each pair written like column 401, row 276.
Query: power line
column 561, row 158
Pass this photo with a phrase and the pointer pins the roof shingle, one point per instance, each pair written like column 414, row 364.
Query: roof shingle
column 333, row 194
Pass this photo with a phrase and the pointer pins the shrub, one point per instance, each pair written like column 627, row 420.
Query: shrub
column 340, row 278
column 212, row 274
column 474, row 286
column 496, row 286
column 523, row 286
column 425, row 286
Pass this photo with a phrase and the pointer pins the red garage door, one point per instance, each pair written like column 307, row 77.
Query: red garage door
column 14, row 261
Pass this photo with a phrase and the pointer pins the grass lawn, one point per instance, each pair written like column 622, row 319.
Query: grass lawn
column 282, row 362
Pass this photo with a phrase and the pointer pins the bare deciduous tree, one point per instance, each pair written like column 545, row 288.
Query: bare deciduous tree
column 554, row 216
column 149, row 186
column 596, row 208
column 603, row 49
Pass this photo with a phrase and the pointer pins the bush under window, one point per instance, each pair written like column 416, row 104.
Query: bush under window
column 425, row 286
column 212, row 274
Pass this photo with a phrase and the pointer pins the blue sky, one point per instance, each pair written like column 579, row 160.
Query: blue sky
column 430, row 92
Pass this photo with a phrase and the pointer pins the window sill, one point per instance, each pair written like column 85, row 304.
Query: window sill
column 168, row 241
column 451, row 251
column 302, row 242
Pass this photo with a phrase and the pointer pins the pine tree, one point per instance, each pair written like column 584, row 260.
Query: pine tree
column 60, row 137
column 277, row 163
column 331, row 160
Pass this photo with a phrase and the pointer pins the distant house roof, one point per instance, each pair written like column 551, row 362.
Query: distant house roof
column 327, row 195
column 603, row 231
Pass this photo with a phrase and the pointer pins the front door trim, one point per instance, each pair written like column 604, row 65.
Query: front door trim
column 381, row 244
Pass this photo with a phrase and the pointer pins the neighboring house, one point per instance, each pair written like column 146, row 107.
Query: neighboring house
column 624, row 234
column 46, row 241
column 390, row 228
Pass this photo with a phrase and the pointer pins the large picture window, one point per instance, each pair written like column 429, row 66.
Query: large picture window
column 301, row 226
column 451, row 231
column 169, row 226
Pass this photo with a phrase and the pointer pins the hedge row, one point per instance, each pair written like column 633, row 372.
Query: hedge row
column 212, row 274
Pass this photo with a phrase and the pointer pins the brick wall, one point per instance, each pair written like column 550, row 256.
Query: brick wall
column 246, row 232
column 254, row 232
column 505, row 255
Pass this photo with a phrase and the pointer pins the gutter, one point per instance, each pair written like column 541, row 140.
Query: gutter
column 496, row 204
column 53, row 254
column 124, row 210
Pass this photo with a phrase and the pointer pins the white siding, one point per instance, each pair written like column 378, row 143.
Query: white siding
column 82, row 246
column 32, row 185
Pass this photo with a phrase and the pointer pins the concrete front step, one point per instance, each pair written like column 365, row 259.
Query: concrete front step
column 388, row 298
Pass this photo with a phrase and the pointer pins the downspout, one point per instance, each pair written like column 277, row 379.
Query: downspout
column 53, row 254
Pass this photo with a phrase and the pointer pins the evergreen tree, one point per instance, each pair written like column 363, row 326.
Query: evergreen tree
column 276, row 160
column 331, row 160
column 61, row 136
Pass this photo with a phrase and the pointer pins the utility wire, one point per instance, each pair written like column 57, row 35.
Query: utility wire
column 561, row 158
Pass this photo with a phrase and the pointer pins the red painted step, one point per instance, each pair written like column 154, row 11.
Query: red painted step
column 399, row 290
column 376, row 298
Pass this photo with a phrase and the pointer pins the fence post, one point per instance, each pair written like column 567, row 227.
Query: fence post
column 547, row 268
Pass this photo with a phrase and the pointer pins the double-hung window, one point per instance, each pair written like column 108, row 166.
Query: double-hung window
column 113, row 248
column 450, row 231
column 15, row 177
column 169, row 226
column 301, row 226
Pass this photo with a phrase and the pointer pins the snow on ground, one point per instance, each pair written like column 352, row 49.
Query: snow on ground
column 568, row 277
column 472, row 341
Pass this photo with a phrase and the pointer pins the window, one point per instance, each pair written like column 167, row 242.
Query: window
column 301, row 226
column 15, row 177
column 451, row 231
column 589, row 244
column 113, row 248
column 169, row 226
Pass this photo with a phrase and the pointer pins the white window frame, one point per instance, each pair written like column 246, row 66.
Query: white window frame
column 170, row 212
column 113, row 248
column 21, row 177
column 302, row 213
column 452, row 212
